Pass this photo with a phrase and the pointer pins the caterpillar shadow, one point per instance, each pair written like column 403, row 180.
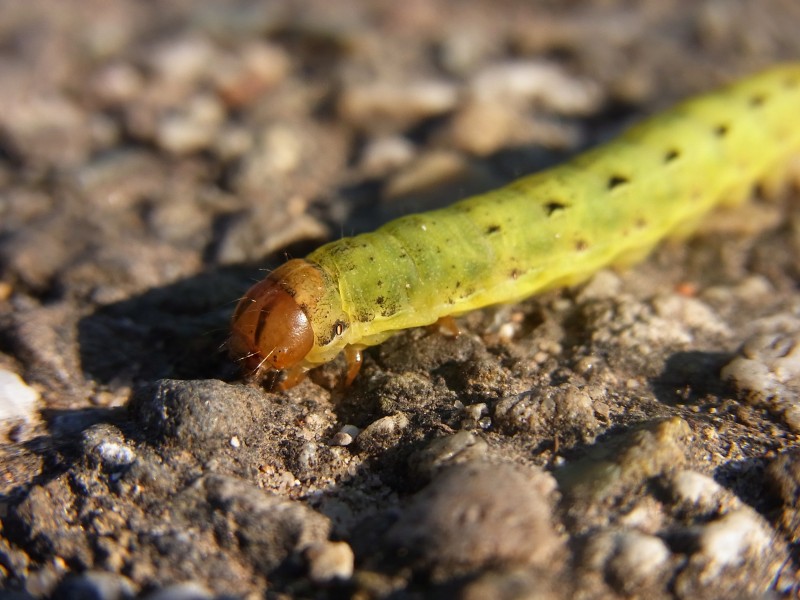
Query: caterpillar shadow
column 174, row 331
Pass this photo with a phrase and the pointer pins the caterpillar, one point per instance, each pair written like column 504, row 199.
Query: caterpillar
column 607, row 206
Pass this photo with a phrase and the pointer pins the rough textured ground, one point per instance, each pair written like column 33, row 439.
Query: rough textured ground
column 635, row 436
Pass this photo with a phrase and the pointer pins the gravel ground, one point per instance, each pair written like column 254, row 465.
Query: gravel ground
column 634, row 436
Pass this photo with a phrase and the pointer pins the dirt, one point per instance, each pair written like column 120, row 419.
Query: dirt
column 632, row 436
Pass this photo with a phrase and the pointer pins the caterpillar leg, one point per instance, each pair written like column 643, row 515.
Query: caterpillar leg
column 448, row 325
column 354, row 358
column 292, row 377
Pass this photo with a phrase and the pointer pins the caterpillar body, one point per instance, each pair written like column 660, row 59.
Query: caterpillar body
column 609, row 205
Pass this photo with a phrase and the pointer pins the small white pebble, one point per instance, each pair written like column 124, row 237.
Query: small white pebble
column 282, row 148
column 691, row 311
column 189, row 590
column 532, row 80
column 604, row 284
column 182, row 59
column 766, row 372
column 329, row 561
column 724, row 542
column 792, row 417
column 385, row 154
column 382, row 102
column 386, row 426
column 638, row 556
column 115, row 455
column 602, row 410
column 117, row 83
column 507, row 331
column 235, row 442
column 192, row 129
column 233, row 141
column 695, row 488
column 540, row 357
column 341, row 439
column 484, row 127
column 345, row 436
column 17, row 399
column 5, row 291
column 426, row 171
column 476, row 411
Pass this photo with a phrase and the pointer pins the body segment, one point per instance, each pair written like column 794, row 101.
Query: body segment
column 554, row 228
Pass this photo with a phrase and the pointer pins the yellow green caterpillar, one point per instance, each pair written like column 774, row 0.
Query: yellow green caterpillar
column 610, row 205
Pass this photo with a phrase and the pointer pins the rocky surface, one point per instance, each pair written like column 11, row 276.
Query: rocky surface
column 634, row 436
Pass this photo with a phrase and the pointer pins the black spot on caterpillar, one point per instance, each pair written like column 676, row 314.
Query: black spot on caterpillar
column 559, row 226
column 553, row 206
column 616, row 180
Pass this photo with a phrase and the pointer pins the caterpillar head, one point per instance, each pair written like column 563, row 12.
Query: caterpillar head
column 271, row 328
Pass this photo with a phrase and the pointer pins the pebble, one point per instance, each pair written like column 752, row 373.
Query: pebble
column 461, row 447
column 527, row 81
column 18, row 401
column 694, row 488
column 783, row 478
column 233, row 141
column 382, row 434
column 385, row 154
column 426, row 171
column 193, row 128
column 754, row 290
column 632, row 326
column 189, row 590
column 268, row 528
column 385, row 106
column 244, row 77
column 646, row 515
column 279, row 150
column 184, row 59
column 638, row 556
column 629, row 558
column 282, row 147
column 726, row 541
column 116, row 83
column 603, row 284
column 106, row 445
column 329, row 561
column 96, row 585
column 250, row 236
column 767, row 373
column 345, row 436
column 118, row 180
column 479, row 514
column 542, row 410
column 463, row 49
column 484, row 127
column 48, row 128
column 691, row 311
column 115, row 455
column 625, row 462
column 198, row 414
column 517, row 584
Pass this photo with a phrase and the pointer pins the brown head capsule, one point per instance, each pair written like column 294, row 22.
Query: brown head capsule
column 269, row 329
